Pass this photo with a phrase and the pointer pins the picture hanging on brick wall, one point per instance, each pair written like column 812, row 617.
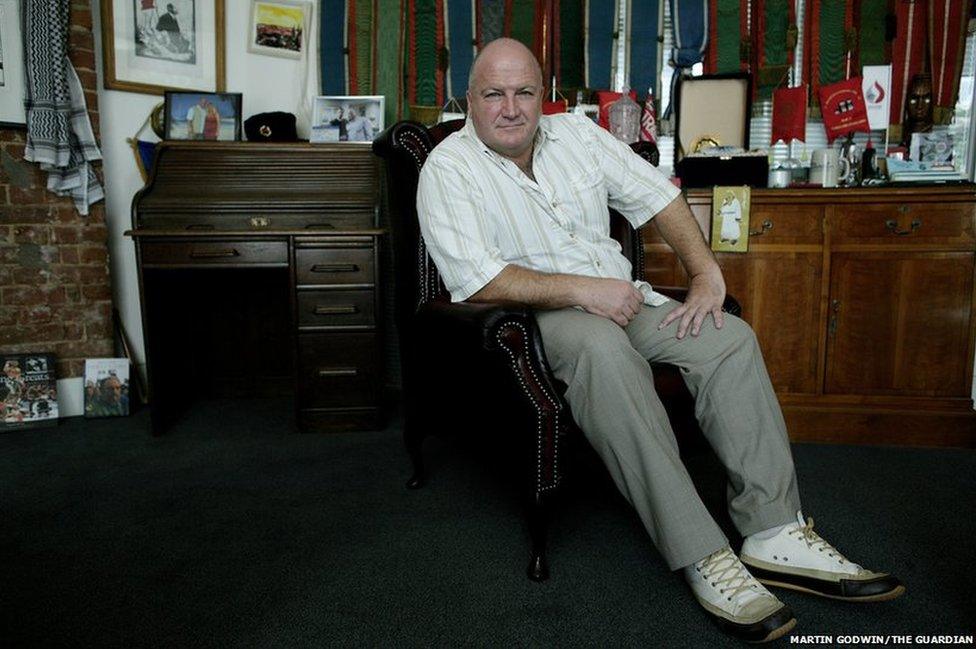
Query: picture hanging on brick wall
column 106, row 387
column 154, row 45
column 28, row 391
column 11, row 65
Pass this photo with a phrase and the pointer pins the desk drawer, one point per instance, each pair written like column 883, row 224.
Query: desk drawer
column 338, row 370
column 339, row 265
column 336, row 308
column 217, row 253
column 903, row 223
column 786, row 224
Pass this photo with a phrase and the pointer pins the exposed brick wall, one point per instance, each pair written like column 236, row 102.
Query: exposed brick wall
column 55, row 293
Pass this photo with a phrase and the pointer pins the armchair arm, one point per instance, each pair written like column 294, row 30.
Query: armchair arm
column 508, row 334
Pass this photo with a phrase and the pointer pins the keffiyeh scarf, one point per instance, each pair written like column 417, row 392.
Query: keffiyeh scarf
column 59, row 133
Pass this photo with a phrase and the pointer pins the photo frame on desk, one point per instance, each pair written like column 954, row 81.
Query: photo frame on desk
column 712, row 110
column 214, row 116
column 151, row 46
column 349, row 118
column 12, row 77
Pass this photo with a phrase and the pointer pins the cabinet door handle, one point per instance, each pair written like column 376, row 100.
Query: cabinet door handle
column 331, row 372
column 766, row 226
column 832, row 325
column 215, row 254
column 892, row 227
column 335, row 268
column 340, row 309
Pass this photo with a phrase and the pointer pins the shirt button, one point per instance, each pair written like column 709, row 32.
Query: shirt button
column 572, row 235
column 597, row 264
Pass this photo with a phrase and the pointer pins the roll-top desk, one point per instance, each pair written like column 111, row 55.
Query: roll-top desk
column 258, row 267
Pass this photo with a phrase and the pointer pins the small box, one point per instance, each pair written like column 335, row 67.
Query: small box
column 714, row 111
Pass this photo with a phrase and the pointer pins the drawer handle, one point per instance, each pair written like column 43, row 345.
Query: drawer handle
column 766, row 226
column 342, row 309
column 216, row 254
column 893, row 227
column 200, row 226
column 320, row 226
column 335, row 268
column 327, row 372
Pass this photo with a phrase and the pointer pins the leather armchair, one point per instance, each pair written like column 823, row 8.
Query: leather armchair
column 494, row 350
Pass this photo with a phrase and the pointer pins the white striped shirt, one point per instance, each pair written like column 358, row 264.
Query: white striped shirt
column 479, row 212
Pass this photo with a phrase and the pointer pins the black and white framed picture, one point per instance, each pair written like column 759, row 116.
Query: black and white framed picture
column 350, row 118
column 214, row 116
column 12, row 80
column 153, row 45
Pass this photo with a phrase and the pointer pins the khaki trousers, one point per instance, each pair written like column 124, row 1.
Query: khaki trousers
column 611, row 393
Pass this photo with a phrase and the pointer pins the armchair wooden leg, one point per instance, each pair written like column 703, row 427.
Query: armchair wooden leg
column 414, row 440
column 538, row 531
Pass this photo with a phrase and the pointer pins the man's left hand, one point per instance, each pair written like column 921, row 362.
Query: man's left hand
column 706, row 294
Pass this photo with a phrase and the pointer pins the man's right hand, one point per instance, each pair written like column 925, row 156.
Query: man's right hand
column 616, row 299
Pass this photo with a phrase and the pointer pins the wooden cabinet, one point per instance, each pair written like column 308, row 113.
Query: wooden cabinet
column 263, row 280
column 863, row 303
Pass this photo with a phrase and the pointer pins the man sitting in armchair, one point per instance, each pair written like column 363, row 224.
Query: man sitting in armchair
column 514, row 207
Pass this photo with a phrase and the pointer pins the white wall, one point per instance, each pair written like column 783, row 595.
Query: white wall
column 267, row 83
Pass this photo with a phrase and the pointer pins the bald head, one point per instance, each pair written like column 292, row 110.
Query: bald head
column 503, row 49
column 505, row 98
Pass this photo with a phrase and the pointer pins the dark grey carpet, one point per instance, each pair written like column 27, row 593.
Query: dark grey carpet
column 233, row 530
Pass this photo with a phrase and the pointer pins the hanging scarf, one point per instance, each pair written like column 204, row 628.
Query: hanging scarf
column 569, row 40
column 460, row 41
column 829, row 42
column 332, row 47
column 601, row 23
column 59, row 133
column 907, row 53
column 689, row 19
column 729, row 40
column 643, row 25
column 776, row 35
column 947, row 44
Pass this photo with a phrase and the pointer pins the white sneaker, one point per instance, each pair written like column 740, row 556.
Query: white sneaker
column 740, row 605
column 798, row 558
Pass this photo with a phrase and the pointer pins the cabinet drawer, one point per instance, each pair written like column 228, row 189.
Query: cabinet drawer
column 336, row 308
column 206, row 253
column 338, row 370
column 902, row 223
column 338, row 265
column 785, row 224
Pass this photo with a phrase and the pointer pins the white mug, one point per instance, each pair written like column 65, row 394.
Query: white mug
column 827, row 167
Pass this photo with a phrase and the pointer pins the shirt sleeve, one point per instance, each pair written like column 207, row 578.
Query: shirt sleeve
column 457, row 234
column 636, row 188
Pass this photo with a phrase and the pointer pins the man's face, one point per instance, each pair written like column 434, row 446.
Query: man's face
column 505, row 100
column 111, row 390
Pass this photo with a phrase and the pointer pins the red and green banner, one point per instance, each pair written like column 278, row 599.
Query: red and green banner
column 947, row 44
column 729, row 37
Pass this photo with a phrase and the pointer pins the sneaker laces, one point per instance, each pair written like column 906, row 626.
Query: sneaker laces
column 723, row 570
column 815, row 542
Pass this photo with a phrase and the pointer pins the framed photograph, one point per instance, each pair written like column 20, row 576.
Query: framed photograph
column 730, row 218
column 106, row 387
column 28, row 391
column 151, row 46
column 347, row 119
column 279, row 27
column 12, row 83
column 212, row 116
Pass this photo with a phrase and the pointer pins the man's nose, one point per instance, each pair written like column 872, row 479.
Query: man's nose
column 510, row 106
